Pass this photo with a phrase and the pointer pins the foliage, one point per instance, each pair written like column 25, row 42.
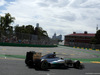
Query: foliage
column 39, row 31
column 5, row 22
column 97, row 37
column 29, row 29
column 93, row 40
column 6, row 28
column 8, row 20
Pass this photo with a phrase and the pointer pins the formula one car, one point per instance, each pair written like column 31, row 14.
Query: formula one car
column 34, row 59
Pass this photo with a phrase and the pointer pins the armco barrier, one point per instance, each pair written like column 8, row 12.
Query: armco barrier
column 26, row 45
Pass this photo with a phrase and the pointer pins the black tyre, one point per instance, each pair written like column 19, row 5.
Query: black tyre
column 77, row 64
column 44, row 65
column 37, row 64
column 81, row 66
column 30, row 64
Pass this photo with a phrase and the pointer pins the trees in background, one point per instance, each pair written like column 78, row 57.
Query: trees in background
column 96, row 39
column 6, row 28
column 5, row 24
column 29, row 29
column 39, row 31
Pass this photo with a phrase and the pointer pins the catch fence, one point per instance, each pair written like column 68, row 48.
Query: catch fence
column 24, row 38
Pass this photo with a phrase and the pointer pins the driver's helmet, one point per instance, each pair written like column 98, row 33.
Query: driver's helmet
column 54, row 54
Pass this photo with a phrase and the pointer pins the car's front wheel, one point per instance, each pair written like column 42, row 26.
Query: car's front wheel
column 77, row 64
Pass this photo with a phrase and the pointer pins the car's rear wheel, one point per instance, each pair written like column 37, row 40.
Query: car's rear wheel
column 44, row 65
column 37, row 64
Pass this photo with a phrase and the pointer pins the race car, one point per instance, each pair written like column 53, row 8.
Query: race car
column 36, row 60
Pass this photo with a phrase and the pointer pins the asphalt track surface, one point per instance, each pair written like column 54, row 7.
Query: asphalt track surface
column 17, row 67
column 61, row 51
column 12, row 61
